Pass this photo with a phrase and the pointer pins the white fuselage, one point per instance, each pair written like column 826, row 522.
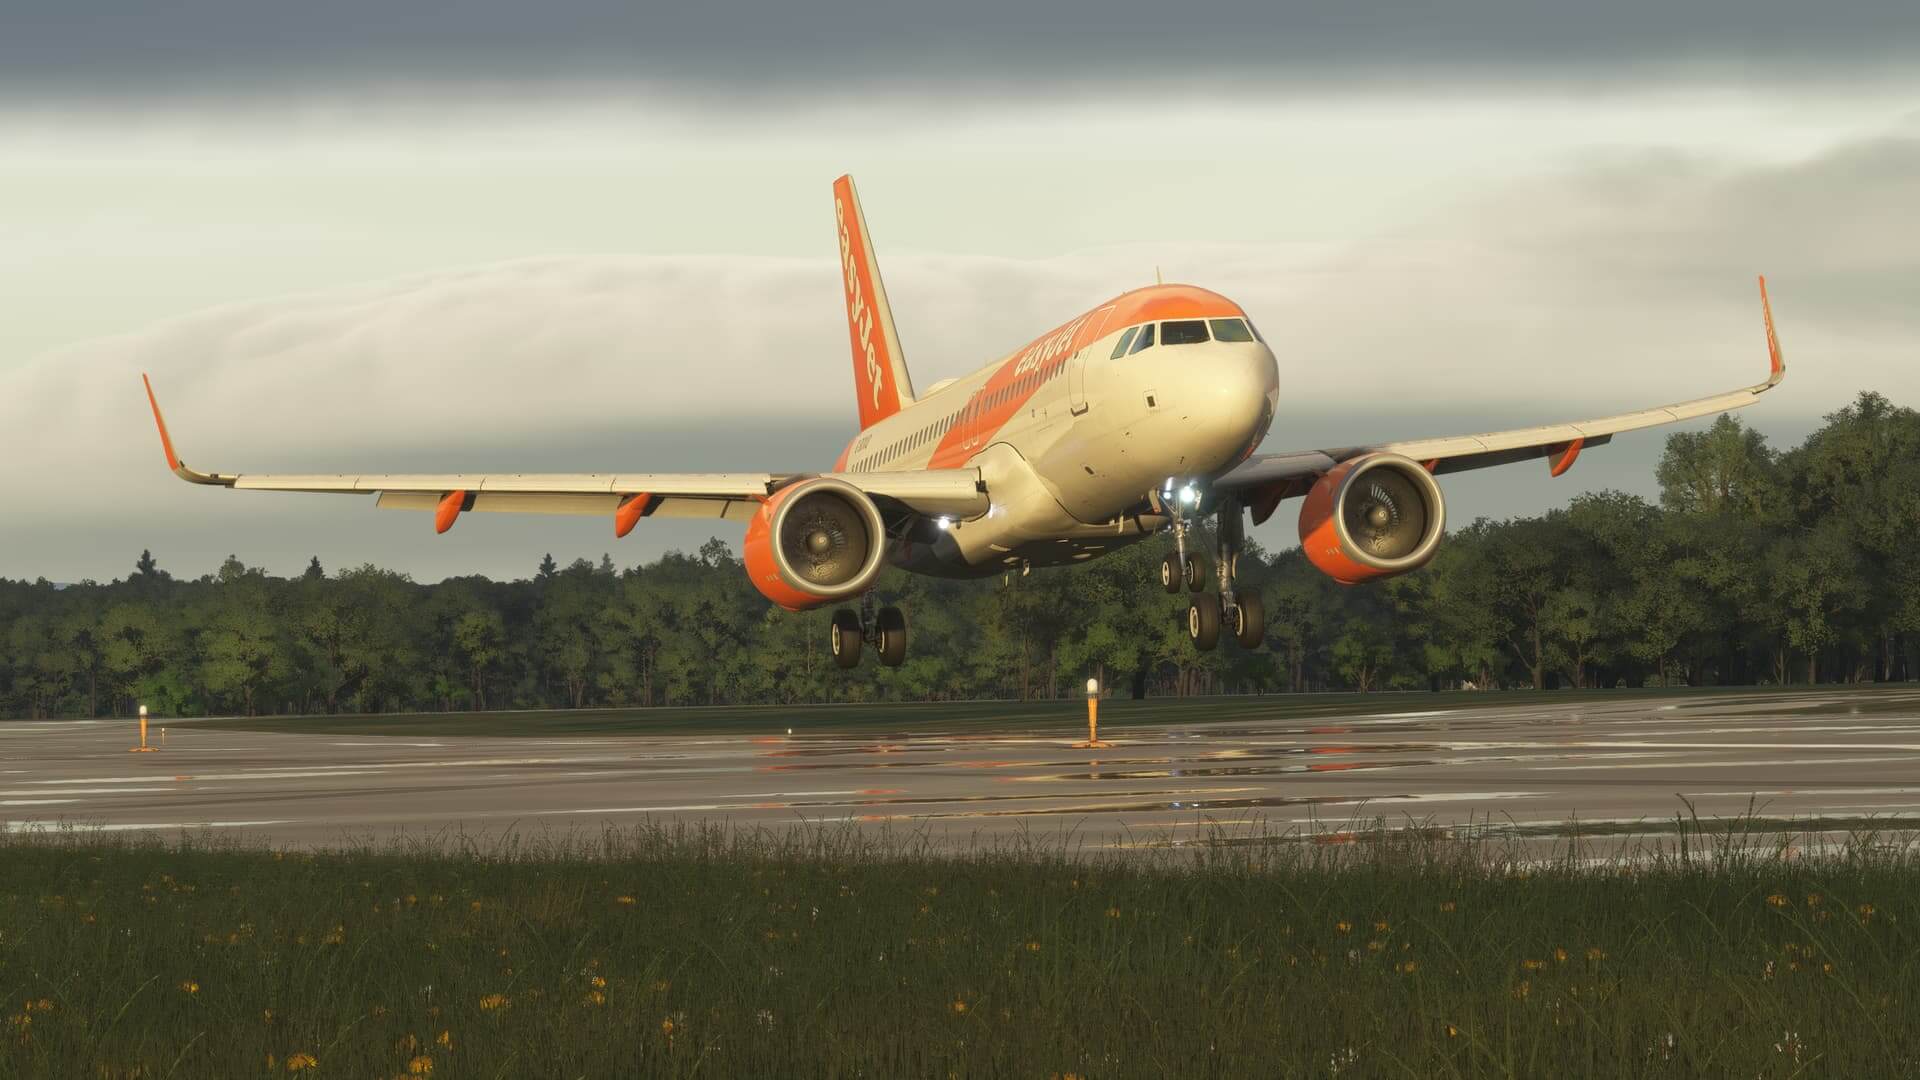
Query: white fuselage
column 1071, row 444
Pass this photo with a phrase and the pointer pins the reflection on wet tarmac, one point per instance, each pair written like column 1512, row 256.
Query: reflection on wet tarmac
column 1532, row 763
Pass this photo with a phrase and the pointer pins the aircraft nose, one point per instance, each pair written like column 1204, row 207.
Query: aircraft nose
column 1237, row 389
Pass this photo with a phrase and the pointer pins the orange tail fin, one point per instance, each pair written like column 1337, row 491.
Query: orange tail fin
column 880, row 378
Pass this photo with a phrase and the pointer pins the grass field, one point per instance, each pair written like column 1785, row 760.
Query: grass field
column 698, row 952
column 966, row 715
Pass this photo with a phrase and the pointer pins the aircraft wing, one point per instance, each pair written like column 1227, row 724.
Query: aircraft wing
column 623, row 497
column 1263, row 480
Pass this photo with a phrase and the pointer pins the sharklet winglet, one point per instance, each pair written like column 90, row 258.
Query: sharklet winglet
column 166, row 445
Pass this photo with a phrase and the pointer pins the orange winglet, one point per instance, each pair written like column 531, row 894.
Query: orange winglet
column 629, row 513
column 1773, row 339
column 449, row 510
column 1565, row 457
column 166, row 441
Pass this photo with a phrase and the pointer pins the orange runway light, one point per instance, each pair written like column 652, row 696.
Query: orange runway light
column 1093, row 719
column 143, row 748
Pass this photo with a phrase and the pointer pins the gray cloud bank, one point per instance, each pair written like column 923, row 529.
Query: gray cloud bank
column 135, row 47
column 1624, row 284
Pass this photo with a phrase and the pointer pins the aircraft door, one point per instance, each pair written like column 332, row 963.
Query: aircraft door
column 1077, row 367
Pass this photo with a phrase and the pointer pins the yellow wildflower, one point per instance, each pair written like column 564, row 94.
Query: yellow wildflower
column 39, row 1005
column 661, row 986
column 1452, row 1032
column 266, row 1017
column 959, row 1006
column 493, row 1002
column 1342, row 926
column 1533, row 965
column 624, row 901
column 1778, row 900
column 1813, row 899
column 301, row 1062
column 1866, row 912
column 1560, row 955
column 596, row 998
column 1408, row 967
column 475, row 906
column 445, row 1039
column 1376, row 945
column 1380, row 926
column 1595, row 952
column 189, row 987
column 1446, row 905
column 1034, row 946
column 666, row 1026
column 1113, row 913
column 420, row 1066
column 598, row 982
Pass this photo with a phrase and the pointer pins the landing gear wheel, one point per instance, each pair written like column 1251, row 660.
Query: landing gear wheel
column 1196, row 573
column 844, row 637
column 1170, row 574
column 1203, row 622
column 891, row 626
column 1249, row 620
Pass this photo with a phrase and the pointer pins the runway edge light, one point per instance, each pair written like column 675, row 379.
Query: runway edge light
column 1093, row 719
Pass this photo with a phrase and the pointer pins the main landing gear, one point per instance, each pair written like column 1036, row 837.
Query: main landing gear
column 885, row 630
column 1242, row 613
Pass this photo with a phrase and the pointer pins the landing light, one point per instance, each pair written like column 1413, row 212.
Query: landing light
column 1187, row 495
column 944, row 522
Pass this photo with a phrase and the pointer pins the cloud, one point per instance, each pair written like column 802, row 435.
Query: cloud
column 124, row 48
column 1623, row 283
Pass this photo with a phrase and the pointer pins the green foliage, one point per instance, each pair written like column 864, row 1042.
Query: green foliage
column 693, row 951
column 1755, row 567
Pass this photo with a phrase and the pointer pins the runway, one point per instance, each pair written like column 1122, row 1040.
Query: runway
column 1532, row 767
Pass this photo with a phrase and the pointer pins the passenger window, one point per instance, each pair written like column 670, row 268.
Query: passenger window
column 1144, row 341
column 1184, row 332
column 1126, row 339
column 1230, row 330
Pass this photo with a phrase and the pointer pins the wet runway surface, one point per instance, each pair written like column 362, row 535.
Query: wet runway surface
column 1625, row 765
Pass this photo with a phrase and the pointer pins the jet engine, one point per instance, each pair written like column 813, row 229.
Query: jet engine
column 1372, row 516
column 815, row 542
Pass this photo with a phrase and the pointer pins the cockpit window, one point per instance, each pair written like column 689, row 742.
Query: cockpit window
column 1184, row 332
column 1126, row 339
column 1145, row 340
column 1256, row 332
column 1229, row 330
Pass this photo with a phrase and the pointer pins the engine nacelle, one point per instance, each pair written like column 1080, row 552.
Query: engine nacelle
column 1372, row 516
column 815, row 542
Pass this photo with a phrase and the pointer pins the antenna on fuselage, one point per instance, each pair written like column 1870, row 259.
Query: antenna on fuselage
column 1157, row 280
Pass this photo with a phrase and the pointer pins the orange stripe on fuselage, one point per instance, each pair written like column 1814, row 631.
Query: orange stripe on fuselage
column 1023, row 372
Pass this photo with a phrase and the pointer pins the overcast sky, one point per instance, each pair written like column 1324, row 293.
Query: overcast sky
column 586, row 236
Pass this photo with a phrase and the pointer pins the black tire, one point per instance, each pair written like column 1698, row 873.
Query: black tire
column 1203, row 622
column 1249, row 620
column 1196, row 573
column 891, row 624
column 1170, row 575
column 843, row 637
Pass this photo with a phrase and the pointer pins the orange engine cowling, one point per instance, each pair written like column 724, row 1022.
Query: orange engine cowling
column 815, row 542
column 1372, row 516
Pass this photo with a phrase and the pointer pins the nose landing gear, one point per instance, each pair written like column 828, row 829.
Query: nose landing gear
column 1242, row 612
column 885, row 630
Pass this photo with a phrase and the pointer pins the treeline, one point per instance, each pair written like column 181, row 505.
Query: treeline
column 1757, row 566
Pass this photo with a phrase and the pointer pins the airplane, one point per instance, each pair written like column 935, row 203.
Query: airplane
column 1132, row 419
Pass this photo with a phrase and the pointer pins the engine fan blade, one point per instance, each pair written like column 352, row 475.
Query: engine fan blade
column 1385, row 515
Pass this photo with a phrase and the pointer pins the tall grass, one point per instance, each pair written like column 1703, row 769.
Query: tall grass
column 691, row 950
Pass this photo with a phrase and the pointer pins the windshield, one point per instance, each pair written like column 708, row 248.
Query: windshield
column 1184, row 332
